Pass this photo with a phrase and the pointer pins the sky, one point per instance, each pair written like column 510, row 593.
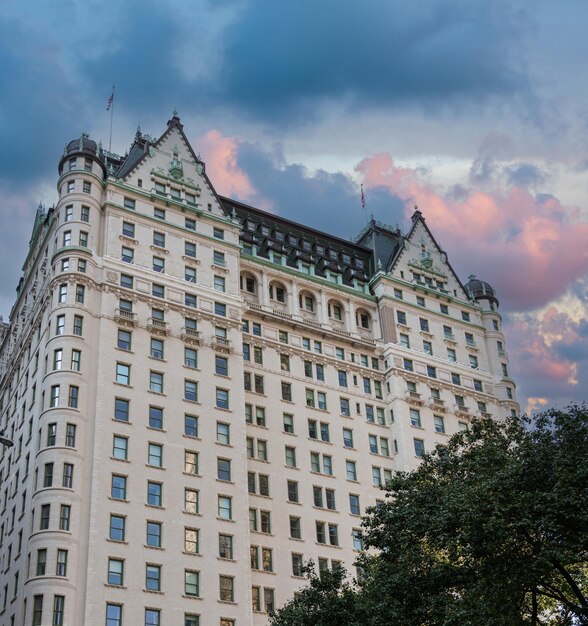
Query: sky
column 476, row 112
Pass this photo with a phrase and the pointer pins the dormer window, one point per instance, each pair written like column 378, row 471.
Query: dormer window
column 175, row 193
column 305, row 245
column 160, row 189
column 278, row 235
column 265, row 231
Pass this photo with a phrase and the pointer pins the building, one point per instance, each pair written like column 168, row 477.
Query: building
column 203, row 395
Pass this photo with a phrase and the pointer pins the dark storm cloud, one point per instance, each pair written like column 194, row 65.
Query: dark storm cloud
column 281, row 58
column 326, row 201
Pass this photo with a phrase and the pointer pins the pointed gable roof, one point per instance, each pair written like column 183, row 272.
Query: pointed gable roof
column 418, row 224
column 140, row 151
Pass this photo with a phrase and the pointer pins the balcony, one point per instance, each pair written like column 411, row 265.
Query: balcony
column 125, row 318
column 461, row 410
column 437, row 404
column 158, row 327
column 191, row 335
column 450, row 337
column 221, row 344
column 413, row 398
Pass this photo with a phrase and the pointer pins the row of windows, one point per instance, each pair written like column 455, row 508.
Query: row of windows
column 408, row 365
column 60, row 562
column 68, row 213
column 71, row 186
column 316, row 346
column 80, row 294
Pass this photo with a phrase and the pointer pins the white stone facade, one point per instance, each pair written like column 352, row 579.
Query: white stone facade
column 146, row 484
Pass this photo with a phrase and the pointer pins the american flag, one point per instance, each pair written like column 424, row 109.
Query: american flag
column 362, row 198
column 110, row 100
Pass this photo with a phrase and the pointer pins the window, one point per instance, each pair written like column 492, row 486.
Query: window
column 222, row 398
column 478, row 385
column 297, row 564
column 415, row 418
column 226, row 588
column 127, row 254
column 373, row 443
column 218, row 258
column 67, row 477
column 83, row 240
column 113, row 615
column 219, row 283
column 121, row 409
column 41, row 562
column 290, row 454
column 428, row 348
column 223, row 433
column 431, row 371
column 61, row 565
column 220, row 309
column 190, row 250
column 153, row 538
column 117, row 528
column 65, row 265
column 73, row 397
column 159, row 213
column 439, row 423
column 218, row 233
column 286, row 391
column 51, row 434
column 408, row 365
column 45, row 513
column 152, row 617
column 48, row 475
column 351, row 470
column 191, row 540
column 159, row 239
column 76, row 357
column 153, row 577
column 190, row 425
column 189, row 223
column 154, row 493
column 292, row 491
column 455, row 378
column 190, row 300
column 62, row 294
column 54, row 397
column 404, row 340
column 64, row 516
column 473, row 361
column 128, row 229
column 222, row 366
column 190, row 462
column 87, row 187
column 156, row 381
column 288, row 423
column 60, row 325
column 419, row 447
column 225, row 507
column 158, row 264
column 354, row 507
column 191, row 501
column 223, row 469
column 120, row 447
column 155, row 455
column 347, row 438
column 123, row 373
column 115, row 572
column 124, row 339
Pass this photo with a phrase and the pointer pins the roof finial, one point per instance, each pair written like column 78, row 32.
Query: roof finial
column 175, row 113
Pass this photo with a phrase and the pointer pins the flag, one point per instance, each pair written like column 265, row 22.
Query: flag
column 362, row 198
column 110, row 100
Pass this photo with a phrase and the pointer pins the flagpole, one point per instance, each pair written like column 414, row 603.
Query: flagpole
column 111, row 113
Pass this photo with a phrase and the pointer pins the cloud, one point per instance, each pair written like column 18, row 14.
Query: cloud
column 549, row 355
column 281, row 60
column 220, row 154
column 529, row 246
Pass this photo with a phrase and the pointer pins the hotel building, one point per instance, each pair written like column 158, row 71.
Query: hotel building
column 203, row 396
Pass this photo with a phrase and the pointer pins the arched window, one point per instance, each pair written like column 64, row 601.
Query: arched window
column 248, row 283
column 277, row 292
column 363, row 319
column 335, row 310
column 306, row 301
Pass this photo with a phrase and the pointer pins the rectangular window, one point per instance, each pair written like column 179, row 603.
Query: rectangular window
column 225, row 507
column 154, row 493
column 117, row 528
column 190, row 462
column 191, row 501
column 64, row 517
column 120, row 447
column 191, row 540
column 115, row 572
column 153, row 577
column 121, row 409
column 222, row 398
column 156, row 382
column 155, row 455
column 158, row 264
column 61, row 565
column 190, row 425
column 419, row 447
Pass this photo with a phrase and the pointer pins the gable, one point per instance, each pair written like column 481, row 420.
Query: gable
column 421, row 259
column 172, row 161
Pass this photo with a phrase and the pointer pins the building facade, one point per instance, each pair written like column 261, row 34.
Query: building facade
column 203, row 396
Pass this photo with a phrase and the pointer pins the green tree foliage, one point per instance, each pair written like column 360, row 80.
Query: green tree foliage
column 491, row 530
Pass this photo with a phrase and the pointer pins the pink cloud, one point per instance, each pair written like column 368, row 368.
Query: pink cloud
column 220, row 154
column 530, row 247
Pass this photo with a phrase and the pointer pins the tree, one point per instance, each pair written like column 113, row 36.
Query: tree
column 491, row 530
column 328, row 600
